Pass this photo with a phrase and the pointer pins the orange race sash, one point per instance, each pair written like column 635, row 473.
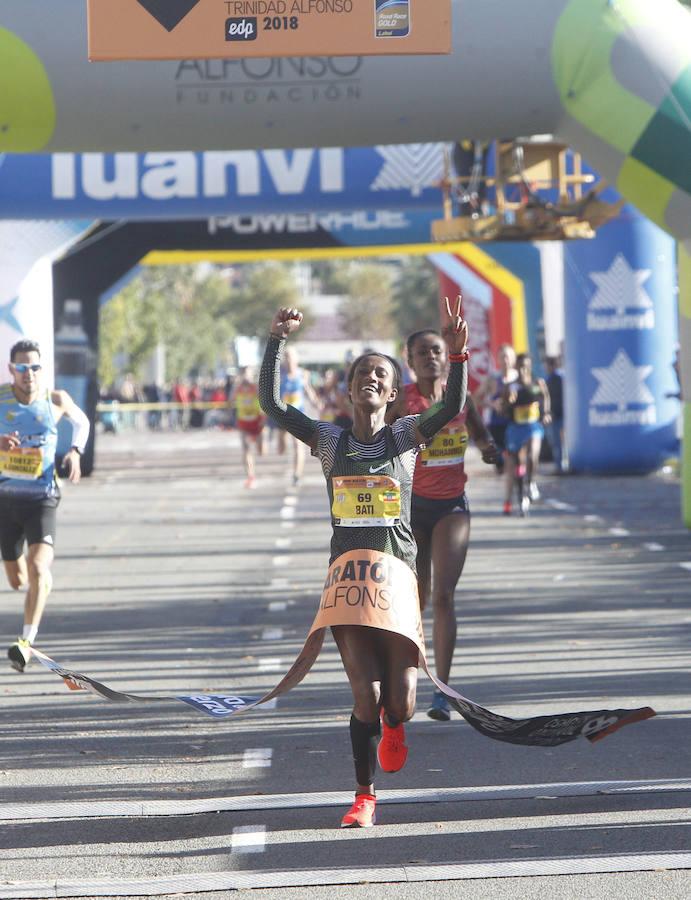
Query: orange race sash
column 376, row 590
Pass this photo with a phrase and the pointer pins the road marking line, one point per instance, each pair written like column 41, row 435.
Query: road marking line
column 290, row 501
column 283, row 543
column 559, row 504
column 686, row 565
column 279, row 583
column 593, row 518
column 257, row 758
column 248, row 839
column 287, row 512
column 272, row 634
column 269, row 664
column 288, row 524
column 278, row 606
column 618, row 532
column 72, row 809
column 279, row 561
column 653, row 547
column 581, row 865
column 197, row 882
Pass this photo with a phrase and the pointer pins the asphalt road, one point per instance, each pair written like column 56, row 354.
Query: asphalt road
column 171, row 578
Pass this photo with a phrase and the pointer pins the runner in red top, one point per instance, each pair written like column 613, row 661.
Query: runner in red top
column 249, row 419
column 440, row 513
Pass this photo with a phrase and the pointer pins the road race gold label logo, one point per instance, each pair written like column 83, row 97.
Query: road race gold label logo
column 220, row 29
column 168, row 13
column 392, row 18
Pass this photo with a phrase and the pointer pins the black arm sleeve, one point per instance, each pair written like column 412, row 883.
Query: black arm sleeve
column 434, row 419
column 285, row 416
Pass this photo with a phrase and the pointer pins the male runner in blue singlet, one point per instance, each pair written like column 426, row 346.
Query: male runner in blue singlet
column 29, row 492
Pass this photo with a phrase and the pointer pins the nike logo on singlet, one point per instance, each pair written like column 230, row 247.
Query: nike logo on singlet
column 374, row 469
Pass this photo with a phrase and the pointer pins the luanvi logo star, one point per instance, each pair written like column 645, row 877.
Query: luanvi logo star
column 168, row 12
column 622, row 384
column 620, row 288
column 412, row 167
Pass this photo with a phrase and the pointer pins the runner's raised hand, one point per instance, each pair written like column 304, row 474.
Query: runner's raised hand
column 285, row 322
column 455, row 329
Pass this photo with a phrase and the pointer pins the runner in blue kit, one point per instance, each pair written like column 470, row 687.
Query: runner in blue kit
column 295, row 387
column 381, row 665
column 29, row 492
column 527, row 404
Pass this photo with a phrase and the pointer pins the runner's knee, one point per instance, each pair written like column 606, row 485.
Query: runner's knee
column 400, row 709
column 367, row 697
column 400, row 704
column 444, row 599
column 38, row 569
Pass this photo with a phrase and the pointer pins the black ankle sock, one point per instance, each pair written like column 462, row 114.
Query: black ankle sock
column 364, row 737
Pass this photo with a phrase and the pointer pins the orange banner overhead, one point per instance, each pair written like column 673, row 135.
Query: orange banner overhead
column 204, row 29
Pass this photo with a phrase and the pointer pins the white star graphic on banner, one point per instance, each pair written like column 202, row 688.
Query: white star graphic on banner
column 410, row 167
column 621, row 384
column 620, row 287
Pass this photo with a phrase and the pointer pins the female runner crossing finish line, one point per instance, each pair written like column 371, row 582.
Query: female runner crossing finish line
column 369, row 473
column 370, row 598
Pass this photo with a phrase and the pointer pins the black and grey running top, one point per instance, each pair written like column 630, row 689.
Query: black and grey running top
column 391, row 453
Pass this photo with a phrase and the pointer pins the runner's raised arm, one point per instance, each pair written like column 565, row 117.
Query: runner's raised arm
column 285, row 322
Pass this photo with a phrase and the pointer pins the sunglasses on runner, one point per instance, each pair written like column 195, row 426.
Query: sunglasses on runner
column 24, row 367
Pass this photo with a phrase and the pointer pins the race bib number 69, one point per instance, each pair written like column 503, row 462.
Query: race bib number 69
column 366, row 500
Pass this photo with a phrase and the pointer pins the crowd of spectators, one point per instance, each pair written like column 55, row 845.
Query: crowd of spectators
column 119, row 404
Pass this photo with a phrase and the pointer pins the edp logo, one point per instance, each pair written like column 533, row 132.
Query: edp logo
column 242, row 28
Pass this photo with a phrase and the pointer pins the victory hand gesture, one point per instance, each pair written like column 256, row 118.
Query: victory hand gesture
column 455, row 330
column 285, row 322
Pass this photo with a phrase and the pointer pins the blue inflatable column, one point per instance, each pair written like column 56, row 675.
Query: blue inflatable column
column 621, row 327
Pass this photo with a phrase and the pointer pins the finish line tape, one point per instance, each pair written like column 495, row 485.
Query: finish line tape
column 376, row 590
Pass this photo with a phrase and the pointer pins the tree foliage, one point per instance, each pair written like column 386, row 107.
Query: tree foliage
column 194, row 311
column 368, row 311
column 264, row 288
column 181, row 307
column 332, row 275
column 416, row 296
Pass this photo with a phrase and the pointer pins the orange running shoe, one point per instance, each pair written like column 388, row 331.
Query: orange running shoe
column 361, row 813
column 392, row 751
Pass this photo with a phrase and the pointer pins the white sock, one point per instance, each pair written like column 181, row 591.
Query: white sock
column 29, row 633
